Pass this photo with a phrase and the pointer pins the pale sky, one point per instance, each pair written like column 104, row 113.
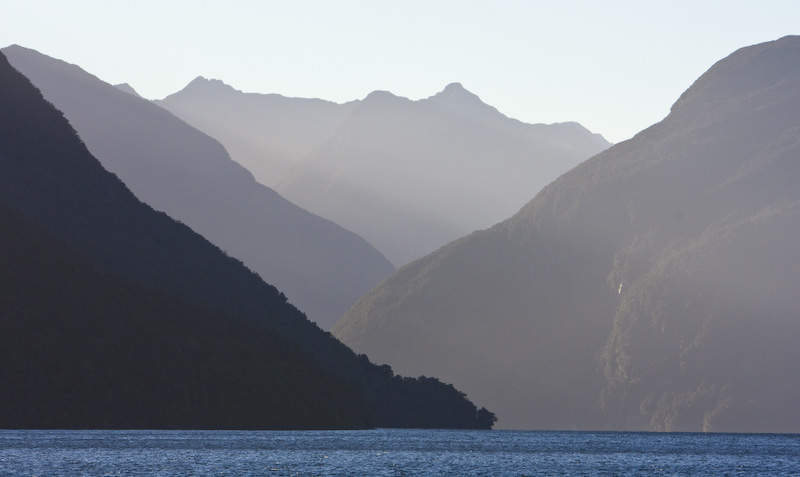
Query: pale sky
column 614, row 66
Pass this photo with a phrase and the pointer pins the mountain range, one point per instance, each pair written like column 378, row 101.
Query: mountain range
column 115, row 315
column 266, row 133
column 320, row 266
column 408, row 176
column 652, row 287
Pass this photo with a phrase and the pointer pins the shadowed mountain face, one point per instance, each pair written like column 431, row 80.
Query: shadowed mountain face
column 101, row 273
column 173, row 167
column 409, row 176
column 83, row 349
column 653, row 287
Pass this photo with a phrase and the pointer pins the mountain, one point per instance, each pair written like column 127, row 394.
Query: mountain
column 101, row 274
column 653, row 287
column 171, row 166
column 83, row 349
column 411, row 176
column 266, row 133
column 408, row 176
column 127, row 88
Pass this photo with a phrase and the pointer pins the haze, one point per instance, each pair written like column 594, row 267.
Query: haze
column 614, row 67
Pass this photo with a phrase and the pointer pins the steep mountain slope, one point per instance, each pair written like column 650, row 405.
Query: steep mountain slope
column 410, row 176
column 83, row 349
column 266, row 133
column 169, row 165
column 653, row 287
column 50, row 181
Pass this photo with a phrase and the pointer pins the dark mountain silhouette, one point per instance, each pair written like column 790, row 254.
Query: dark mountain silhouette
column 71, row 227
column 266, row 133
column 83, row 349
column 321, row 267
column 653, row 287
column 408, row 176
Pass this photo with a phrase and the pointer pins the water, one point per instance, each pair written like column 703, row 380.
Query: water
column 394, row 453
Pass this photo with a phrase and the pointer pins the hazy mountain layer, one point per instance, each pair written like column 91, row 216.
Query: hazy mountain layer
column 653, row 287
column 173, row 167
column 266, row 133
column 409, row 176
column 180, row 289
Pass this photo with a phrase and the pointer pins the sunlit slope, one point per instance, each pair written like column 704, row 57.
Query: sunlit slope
column 652, row 287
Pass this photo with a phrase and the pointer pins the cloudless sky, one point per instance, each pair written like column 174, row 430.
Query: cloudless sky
column 614, row 66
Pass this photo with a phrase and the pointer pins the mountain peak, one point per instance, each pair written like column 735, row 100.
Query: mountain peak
column 381, row 96
column 379, row 100
column 459, row 100
column 208, row 85
column 455, row 88
column 128, row 89
column 455, row 91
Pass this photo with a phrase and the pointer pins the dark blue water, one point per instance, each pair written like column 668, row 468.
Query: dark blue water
column 394, row 452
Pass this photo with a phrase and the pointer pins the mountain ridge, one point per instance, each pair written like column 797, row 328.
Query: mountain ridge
column 81, row 349
column 49, row 178
column 458, row 99
column 259, row 130
column 127, row 88
column 372, row 165
column 410, row 176
column 179, row 170
column 648, row 288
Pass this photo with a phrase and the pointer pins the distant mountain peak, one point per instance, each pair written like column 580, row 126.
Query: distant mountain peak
column 455, row 90
column 382, row 96
column 458, row 99
column 128, row 89
column 204, row 84
column 381, row 100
